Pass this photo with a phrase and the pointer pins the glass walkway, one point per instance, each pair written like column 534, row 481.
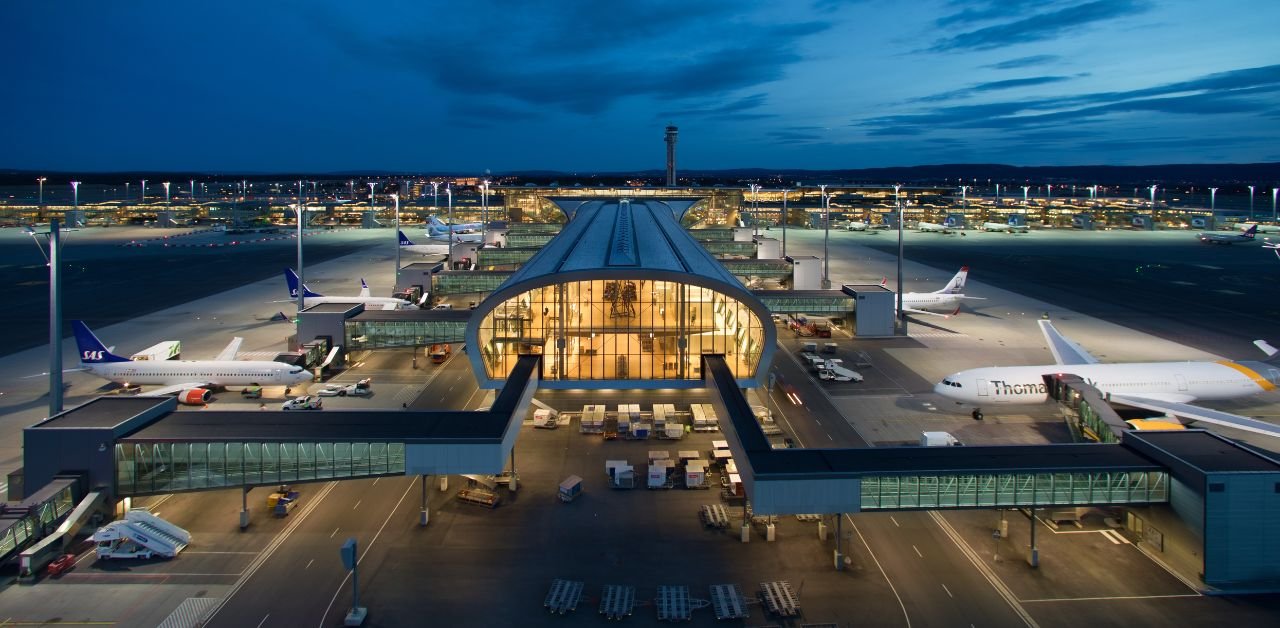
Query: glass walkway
column 28, row 522
column 817, row 302
column 467, row 282
column 157, row 468
column 1013, row 490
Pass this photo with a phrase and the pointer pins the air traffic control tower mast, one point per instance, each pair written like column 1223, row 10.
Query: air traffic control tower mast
column 671, row 156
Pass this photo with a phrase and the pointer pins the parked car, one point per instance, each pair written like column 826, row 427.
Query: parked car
column 358, row 389
column 305, row 402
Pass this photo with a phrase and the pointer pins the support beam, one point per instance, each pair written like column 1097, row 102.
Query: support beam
column 244, row 507
column 425, row 514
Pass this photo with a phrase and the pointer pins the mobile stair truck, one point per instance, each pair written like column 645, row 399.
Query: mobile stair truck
column 140, row 535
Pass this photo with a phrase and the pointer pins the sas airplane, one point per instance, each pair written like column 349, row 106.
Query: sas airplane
column 944, row 302
column 1008, row 227
column 1167, row 387
column 463, row 232
column 1229, row 238
column 310, row 298
column 425, row 249
column 190, row 380
column 932, row 227
column 1244, row 226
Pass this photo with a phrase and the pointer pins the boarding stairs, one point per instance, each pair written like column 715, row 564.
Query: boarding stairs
column 145, row 530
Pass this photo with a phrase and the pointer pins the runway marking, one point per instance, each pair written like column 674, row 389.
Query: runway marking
column 882, row 571
column 367, row 547
column 1107, row 598
column 309, row 563
column 917, row 551
column 1232, row 292
column 1155, row 559
column 335, row 533
column 815, row 420
column 829, row 438
column 264, row 620
column 983, row 569
column 1207, row 266
column 944, row 588
column 186, row 552
column 357, row 504
column 895, row 522
column 375, row 481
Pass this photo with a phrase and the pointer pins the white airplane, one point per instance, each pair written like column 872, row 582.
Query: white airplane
column 932, row 227
column 1167, row 387
column 1245, row 226
column 862, row 225
column 1229, row 238
column 462, row 232
column 310, row 298
column 190, row 380
column 944, row 302
column 1005, row 226
column 425, row 249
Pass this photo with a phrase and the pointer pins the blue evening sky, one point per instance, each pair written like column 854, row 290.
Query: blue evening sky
column 588, row 85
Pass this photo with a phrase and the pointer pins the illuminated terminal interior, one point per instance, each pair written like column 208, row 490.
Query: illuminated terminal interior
column 623, row 297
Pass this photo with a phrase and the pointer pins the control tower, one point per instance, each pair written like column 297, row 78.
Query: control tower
column 671, row 156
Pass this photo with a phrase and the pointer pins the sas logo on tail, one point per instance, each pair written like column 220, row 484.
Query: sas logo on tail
column 92, row 355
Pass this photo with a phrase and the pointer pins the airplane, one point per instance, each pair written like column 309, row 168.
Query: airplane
column 190, row 380
column 1244, row 226
column 1166, row 387
column 1229, row 238
column 932, row 227
column 310, row 298
column 425, row 249
column 946, row 301
column 435, row 228
column 1005, row 226
column 864, row 226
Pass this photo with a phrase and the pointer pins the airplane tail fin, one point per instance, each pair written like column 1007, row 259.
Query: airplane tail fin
column 91, row 350
column 434, row 223
column 404, row 240
column 291, row 278
column 956, row 285
column 1251, row 232
column 1273, row 354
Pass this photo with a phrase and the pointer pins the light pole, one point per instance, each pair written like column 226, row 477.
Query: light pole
column 1213, row 194
column 1025, row 188
column 826, row 235
column 1049, row 194
column 435, row 194
column 1153, row 197
column 396, row 197
column 1273, row 203
column 166, row 192
column 997, row 194
column 352, row 185
column 484, row 220
column 902, row 316
column 55, row 312
column 784, row 222
column 75, row 194
column 144, row 191
column 1251, row 203
column 41, row 181
column 301, row 213
column 448, row 229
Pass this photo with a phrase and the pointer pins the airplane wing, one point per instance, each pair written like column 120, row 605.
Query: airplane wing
column 1197, row 413
column 173, row 390
column 229, row 353
column 1064, row 351
column 389, row 306
column 915, row 311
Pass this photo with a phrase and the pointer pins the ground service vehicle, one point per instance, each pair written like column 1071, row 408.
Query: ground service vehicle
column 440, row 353
column 361, row 388
column 570, row 488
column 140, row 535
column 938, row 439
column 305, row 402
column 251, row 392
column 62, row 564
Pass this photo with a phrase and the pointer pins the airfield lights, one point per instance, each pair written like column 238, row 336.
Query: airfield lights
column 41, row 181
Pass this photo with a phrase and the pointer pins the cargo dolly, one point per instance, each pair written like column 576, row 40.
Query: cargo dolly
column 779, row 599
column 563, row 596
column 617, row 601
column 673, row 603
column 727, row 602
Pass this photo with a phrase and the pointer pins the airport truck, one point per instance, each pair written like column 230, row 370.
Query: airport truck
column 831, row 370
column 440, row 352
column 938, row 439
column 140, row 535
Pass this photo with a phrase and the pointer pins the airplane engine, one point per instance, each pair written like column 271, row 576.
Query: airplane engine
column 193, row 397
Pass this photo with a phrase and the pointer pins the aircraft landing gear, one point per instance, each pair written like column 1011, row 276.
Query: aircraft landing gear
column 977, row 414
column 286, row 391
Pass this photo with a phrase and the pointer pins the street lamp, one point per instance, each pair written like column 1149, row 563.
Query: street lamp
column 784, row 222
column 41, row 181
column 193, row 190
column 435, row 194
column 1025, row 188
column 1153, row 197
column 826, row 235
column 997, row 194
column 902, row 316
column 144, row 190
column 1213, row 193
column 166, row 192
column 484, row 221
column 75, row 194
column 1273, row 203
column 1251, row 203
column 1049, row 193
column 396, row 197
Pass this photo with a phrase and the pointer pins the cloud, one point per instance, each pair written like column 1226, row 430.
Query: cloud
column 1040, row 26
column 740, row 109
column 1023, row 62
column 992, row 86
column 988, row 10
column 603, row 53
column 789, row 136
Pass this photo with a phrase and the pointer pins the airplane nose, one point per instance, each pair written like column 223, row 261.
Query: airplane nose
column 940, row 389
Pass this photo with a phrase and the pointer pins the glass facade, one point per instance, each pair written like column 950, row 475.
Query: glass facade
column 468, row 282
column 1014, row 489
column 145, row 468
column 620, row 330
column 387, row 334
column 837, row 304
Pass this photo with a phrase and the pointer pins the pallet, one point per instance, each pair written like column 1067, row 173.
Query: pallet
column 714, row 516
column 479, row 497
column 779, row 599
column 617, row 601
column 673, row 603
column 563, row 596
column 728, row 602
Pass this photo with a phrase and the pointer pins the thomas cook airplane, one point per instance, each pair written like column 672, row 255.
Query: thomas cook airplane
column 1167, row 387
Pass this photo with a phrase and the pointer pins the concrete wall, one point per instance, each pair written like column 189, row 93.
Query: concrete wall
column 48, row 452
column 768, row 248
column 806, row 272
column 1241, row 546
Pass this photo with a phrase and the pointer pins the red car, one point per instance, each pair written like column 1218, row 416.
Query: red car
column 62, row 565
